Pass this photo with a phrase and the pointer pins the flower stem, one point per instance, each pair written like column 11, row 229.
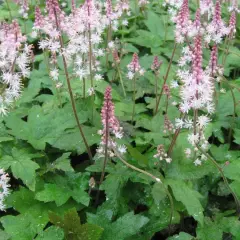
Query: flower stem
column 134, row 96
column 175, row 137
column 166, row 77
column 121, row 80
column 233, row 117
column 223, row 177
column 156, row 179
column 70, row 89
column 105, row 152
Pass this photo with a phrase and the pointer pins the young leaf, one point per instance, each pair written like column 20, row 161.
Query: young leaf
column 72, row 227
column 51, row 233
column 123, row 228
column 22, row 166
column 189, row 198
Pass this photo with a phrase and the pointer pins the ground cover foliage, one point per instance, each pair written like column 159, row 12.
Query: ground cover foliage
column 159, row 183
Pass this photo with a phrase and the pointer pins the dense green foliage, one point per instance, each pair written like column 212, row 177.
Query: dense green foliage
column 41, row 149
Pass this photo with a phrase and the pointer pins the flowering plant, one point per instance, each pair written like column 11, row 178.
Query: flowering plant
column 119, row 119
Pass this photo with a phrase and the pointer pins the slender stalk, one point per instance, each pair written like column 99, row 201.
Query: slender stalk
column 134, row 96
column 84, row 87
column 156, row 90
column 70, row 89
column 121, row 80
column 172, row 209
column 156, row 179
column 175, row 137
column 109, row 37
column 166, row 76
column 234, row 116
column 105, row 152
column 226, row 43
column 153, row 177
column 223, row 177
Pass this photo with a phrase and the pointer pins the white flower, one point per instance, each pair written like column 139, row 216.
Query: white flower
column 197, row 162
column 111, row 45
column 125, row 22
column 203, row 121
column 222, row 90
column 3, row 110
column 122, row 149
column 168, row 160
column 188, row 123
column 179, row 123
column 118, row 135
column 188, row 152
column 98, row 77
column 174, row 84
column 193, row 138
column 130, row 75
column 90, row 91
column 4, row 188
column 33, row 34
column 54, row 74
column 141, row 71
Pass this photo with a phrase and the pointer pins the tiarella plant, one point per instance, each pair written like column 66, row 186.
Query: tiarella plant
column 119, row 120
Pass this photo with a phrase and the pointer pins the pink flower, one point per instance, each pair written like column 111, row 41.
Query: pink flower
column 156, row 64
column 111, row 127
column 39, row 21
column 182, row 21
column 232, row 24
column 134, row 65
column 213, row 60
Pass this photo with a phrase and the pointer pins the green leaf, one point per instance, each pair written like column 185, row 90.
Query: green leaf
column 189, row 198
column 72, row 185
column 51, row 233
column 140, row 158
column 25, row 226
column 4, row 235
column 72, row 227
column 52, row 192
column 182, row 236
column 232, row 170
column 63, row 163
column 22, row 166
column 124, row 227
column 237, row 136
column 158, row 192
column 152, row 19
column 45, row 127
column 210, row 230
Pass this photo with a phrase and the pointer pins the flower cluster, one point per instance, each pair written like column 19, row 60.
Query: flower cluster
column 111, row 127
column 217, row 28
column 134, row 67
column 84, row 28
column 4, row 188
column 24, row 8
column 15, row 57
column 162, row 155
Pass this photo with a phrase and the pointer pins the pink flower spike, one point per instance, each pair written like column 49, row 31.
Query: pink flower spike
column 109, row 9
column 39, row 21
column 156, row 64
column 217, row 19
column 108, row 115
column 134, row 66
column 213, row 60
column 197, row 59
column 232, row 24
column 197, row 22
